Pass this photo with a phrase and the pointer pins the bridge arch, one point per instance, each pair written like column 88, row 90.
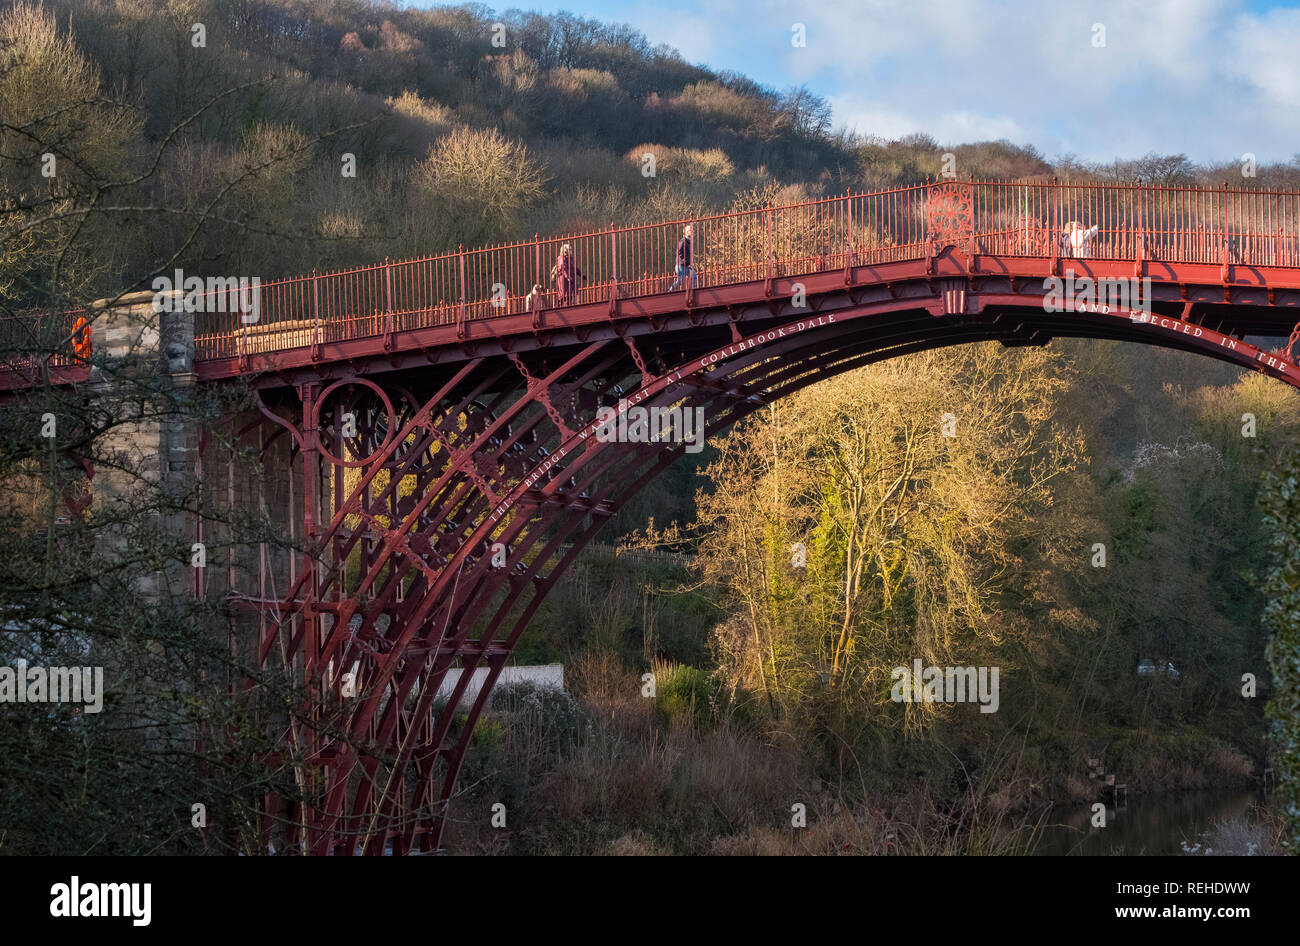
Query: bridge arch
column 457, row 570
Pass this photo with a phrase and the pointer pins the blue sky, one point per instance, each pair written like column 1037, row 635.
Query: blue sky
column 1211, row 78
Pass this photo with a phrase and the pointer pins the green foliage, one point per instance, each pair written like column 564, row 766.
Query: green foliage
column 488, row 736
column 1282, row 618
column 1141, row 506
column 687, row 694
column 1024, row 594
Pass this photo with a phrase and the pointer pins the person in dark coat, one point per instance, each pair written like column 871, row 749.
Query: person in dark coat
column 567, row 275
column 683, row 261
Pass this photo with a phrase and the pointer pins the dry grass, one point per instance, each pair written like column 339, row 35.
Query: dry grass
column 1156, row 771
column 1258, row 833
column 632, row 784
column 623, row 778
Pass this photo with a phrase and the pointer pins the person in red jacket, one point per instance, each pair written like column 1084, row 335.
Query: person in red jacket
column 567, row 275
column 683, row 261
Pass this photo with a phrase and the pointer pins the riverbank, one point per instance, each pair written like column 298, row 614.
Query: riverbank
column 610, row 773
column 1223, row 822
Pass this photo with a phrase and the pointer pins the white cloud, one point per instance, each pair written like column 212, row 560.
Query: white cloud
column 1211, row 78
column 952, row 127
column 695, row 36
column 1205, row 77
column 1263, row 53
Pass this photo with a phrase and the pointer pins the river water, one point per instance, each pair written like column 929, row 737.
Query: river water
column 1148, row 825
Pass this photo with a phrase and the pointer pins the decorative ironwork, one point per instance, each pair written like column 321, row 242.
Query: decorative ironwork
column 950, row 214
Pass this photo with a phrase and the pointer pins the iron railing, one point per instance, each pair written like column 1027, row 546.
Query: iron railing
column 31, row 342
column 1176, row 224
column 1222, row 225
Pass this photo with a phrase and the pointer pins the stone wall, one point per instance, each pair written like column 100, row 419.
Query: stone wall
column 143, row 361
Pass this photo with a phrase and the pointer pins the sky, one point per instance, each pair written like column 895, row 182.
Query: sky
column 1213, row 79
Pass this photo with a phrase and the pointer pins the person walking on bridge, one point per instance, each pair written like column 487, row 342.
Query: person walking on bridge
column 567, row 274
column 683, row 262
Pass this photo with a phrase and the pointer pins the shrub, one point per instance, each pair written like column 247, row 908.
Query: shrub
column 692, row 164
column 478, row 182
column 687, row 694
column 542, row 718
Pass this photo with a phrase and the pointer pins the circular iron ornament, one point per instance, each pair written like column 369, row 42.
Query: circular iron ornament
column 390, row 432
column 1034, row 237
column 408, row 407
column 951, row 217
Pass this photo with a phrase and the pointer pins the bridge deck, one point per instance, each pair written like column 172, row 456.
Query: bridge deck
column 1232, row 240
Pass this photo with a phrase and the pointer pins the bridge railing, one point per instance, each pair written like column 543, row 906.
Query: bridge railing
column 34, row 341
column 1182, row 224
column 1175, row 224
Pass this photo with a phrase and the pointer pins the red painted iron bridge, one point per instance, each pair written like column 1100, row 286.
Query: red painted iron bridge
column 428, row 435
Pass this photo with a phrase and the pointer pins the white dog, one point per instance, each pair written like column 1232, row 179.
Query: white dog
column 1077, row 238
